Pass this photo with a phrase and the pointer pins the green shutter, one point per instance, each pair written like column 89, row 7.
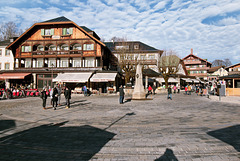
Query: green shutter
column 29, row 48
column 23, row 48
column 42, row 31
column 52, row 31
column 70, row 30
column 84, row 46
column 64, row 31
column 92, row 46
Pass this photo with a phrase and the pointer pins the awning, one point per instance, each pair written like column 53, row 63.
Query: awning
column 13, row 75
column 73, row 77
column 195, row 80
column 103, row 77
column 170, row 80
column 187, row 80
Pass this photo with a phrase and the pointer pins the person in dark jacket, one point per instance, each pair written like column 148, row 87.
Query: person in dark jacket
column 54, row 98
column 121, row 94
column 44, row 97
column 169, row 93
column 67, row 94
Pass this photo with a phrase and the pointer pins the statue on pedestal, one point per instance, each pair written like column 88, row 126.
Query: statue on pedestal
column 139, row 92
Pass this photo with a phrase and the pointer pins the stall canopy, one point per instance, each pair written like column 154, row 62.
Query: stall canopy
column 73, row 77
column 170, row 80
column 103, row 77
column 13, row 75
column 187, row 80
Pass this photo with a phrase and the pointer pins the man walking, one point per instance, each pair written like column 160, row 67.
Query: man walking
column 67, row 94
column 44, row 97
column 59, row 89
column 169, row 93
column 121, row 94
column 54, row 98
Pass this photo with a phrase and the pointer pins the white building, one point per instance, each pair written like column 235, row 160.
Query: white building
column 6, row 56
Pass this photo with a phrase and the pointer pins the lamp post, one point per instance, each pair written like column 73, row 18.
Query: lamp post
column 52, row 65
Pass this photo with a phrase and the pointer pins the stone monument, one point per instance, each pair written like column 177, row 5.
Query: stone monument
column 138, row 92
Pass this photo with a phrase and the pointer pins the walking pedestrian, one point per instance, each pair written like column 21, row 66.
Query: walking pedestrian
column 44, row 97
column 149, row 90
column 85, row 90
column 121, row 94
column 67, row 94
column 169, row 93
column 189, row 89
column 154, row 89
column 59, row 89
column 174, row 88
column 54, row 98
column 186, row 89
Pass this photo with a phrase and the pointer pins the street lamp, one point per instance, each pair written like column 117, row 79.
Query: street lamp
column 52, row 65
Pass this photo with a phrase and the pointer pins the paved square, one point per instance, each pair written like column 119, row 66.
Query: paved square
column 99, row 128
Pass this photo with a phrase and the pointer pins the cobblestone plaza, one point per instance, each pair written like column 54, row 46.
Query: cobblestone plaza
column 189, row 127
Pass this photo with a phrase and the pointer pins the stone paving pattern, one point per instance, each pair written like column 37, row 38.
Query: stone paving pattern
column 189, row 127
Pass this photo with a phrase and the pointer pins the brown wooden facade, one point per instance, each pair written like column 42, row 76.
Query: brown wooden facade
column 60, row 45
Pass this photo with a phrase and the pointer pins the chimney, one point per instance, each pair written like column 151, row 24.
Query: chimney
column 191, row 51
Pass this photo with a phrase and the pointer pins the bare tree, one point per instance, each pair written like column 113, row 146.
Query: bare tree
column 8, row 30
column 218, row 62
column 168, row 65
column 127, row 60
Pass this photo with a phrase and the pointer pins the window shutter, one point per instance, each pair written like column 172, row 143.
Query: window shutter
column 52, row 31
column 84, row 46
column 92, row 46
column 23, row 48
column 42, row 31
column 29, row 48
column 70, row 30
column 64, row 31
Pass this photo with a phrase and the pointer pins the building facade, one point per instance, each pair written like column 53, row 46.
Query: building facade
column 59, row 46
column 6, row 56
column 196, row 66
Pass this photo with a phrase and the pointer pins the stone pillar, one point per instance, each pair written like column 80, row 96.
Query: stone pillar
column 146, row 82
column 139, row 92
column 7, row 83
column 34, row 80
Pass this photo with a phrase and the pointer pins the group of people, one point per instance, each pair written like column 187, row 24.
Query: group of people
column 55, row 95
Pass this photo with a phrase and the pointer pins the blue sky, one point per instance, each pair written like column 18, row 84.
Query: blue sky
column 211, row 28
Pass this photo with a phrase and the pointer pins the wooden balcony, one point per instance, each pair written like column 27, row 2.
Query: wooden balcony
column 58, row 53
column 192, row 62
column 198, row 68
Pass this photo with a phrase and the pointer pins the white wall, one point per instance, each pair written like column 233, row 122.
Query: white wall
column 6, row 59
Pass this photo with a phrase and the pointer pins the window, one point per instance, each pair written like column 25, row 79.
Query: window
column 76, row 62
column 52, row 48
column 7, row 66
column 52, row 63
column 89, row 62
column 77, row 47
column 7, row 53
column 142, row 57
column 122, row 47
column 47, row 32
column 28, row 63
column 64, row 63
column 0, row 52
column 39, row 63
column 67, row 31
column 64, row 47
column 151, row 56
column 26, row 48
column 88, row 47
column 136, row 47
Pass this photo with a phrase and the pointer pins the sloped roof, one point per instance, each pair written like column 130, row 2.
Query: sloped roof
column 232, row 65
column 142, row 46
column 213, row 69
column 4, row 43
column 195, row 57
column 58, row 19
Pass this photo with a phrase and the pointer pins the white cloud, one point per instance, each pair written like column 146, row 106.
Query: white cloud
column 178, row 27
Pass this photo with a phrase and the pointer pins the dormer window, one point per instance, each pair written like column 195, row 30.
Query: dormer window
column 26, row 48
column 67, row 31
column 136, row 47
column 47, row 32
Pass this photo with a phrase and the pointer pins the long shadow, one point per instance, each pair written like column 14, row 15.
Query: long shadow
column 167, row 156
column 54, row 142
column 7, row 124
column 229, row 135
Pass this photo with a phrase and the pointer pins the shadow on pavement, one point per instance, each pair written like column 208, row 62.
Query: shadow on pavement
column 229, row 135
column 167, row 156
column 53, row 142
column 7, row 124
